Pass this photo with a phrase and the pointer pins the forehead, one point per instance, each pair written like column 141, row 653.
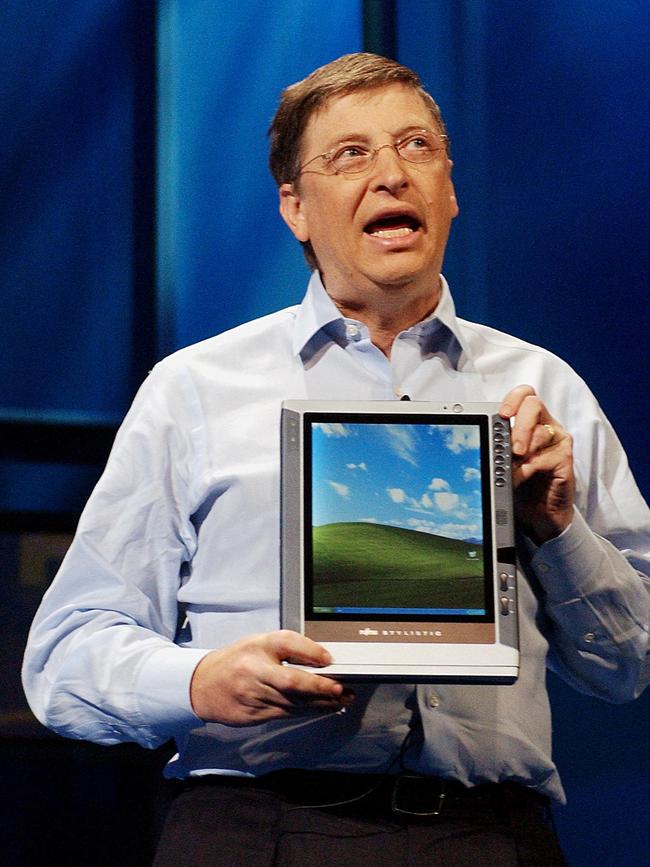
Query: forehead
column 388, row 109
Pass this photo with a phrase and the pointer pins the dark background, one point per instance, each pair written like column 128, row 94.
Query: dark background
column 137, row 216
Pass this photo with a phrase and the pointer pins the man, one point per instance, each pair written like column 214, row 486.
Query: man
column 187, row 514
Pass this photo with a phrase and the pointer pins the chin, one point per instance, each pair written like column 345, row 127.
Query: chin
column 402, row 272
column 399, row 278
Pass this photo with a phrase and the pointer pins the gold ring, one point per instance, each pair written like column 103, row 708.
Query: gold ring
column 551, row 431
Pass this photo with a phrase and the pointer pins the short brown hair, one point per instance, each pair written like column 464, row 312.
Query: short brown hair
column 352, row 72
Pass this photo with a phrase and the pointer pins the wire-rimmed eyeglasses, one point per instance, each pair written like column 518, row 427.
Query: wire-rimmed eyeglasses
column 353, row 158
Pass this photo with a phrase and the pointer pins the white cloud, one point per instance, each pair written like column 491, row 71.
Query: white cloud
column 459, row 531
column 402, row 442
column 461, row 437
column 422, row 525
column 446, row 501
column 426, row 501
column 439, row 485
column 360, row 466
column 341, row 490
column 369, row 520
column 332, row 429
column 448, row 529
column 471, row 473
column 397, row 495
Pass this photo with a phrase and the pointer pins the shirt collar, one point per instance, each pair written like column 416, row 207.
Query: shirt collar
column 318, row 320
column 316, row 311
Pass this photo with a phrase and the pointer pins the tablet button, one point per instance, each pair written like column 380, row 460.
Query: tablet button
column 505, row 605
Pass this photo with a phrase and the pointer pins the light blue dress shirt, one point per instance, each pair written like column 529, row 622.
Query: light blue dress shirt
column 186, row 518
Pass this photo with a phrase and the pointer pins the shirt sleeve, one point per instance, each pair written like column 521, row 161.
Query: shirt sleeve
column 595, row 575
column 101, row 663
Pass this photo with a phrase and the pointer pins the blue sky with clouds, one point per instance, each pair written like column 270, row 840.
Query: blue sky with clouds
column 416, row 476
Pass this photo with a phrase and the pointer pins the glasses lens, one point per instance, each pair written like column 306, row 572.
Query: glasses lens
column 352, row 158
column 420, row 147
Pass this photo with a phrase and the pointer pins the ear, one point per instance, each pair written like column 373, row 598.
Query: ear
column 454, row 204
column 292, row 210
column 452, row 194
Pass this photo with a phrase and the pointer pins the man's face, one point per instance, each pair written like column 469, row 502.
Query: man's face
column 388, row 227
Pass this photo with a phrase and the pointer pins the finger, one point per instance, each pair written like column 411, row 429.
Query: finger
column 545, row 436
column 263, row 699
column 552, row 433
column 555, row 459
column 296, row 682
column 527, row 432
column 272, row 703
column 286, row 645
column 277, row 682
column 513, row 400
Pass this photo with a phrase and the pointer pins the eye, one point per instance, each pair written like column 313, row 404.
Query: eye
column 420, row 147
column 350, row 155
column 419, row 142
column 352, row 151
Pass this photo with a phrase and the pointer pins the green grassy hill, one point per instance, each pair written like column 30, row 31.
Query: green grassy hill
column 359, row 563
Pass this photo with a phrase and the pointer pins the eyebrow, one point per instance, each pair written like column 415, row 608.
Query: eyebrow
column 364, row 137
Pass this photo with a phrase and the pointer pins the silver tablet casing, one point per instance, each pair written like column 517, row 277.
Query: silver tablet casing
column 397, row 650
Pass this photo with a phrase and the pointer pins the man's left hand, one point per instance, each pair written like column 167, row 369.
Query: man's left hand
column 542, row 466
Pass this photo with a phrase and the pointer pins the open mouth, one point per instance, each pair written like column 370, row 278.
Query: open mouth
column 394, row 226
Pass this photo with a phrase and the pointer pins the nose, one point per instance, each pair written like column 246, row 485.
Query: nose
column 388, row 170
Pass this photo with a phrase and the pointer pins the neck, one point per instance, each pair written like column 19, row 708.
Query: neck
column 387, row 316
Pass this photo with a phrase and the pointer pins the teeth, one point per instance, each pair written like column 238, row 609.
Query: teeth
column 393, row 233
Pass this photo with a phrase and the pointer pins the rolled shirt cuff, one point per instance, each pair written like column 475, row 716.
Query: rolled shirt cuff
column 163, row 689
column 568, row 564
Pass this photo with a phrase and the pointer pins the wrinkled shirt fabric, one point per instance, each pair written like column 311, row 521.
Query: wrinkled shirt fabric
column 177, row 553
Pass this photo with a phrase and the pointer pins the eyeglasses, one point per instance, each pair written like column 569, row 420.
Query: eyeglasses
column 354, row 159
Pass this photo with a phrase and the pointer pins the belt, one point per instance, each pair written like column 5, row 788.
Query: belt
column 405, row 794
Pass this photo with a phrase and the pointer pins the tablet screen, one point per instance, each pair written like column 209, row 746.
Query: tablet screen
column 397, row 518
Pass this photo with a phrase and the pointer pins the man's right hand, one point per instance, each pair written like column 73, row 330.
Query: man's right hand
column 246, row 683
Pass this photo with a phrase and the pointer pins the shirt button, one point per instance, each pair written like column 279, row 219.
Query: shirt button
column 352, row 330
column 434, row 701
column 544, row 567
column 590, row 637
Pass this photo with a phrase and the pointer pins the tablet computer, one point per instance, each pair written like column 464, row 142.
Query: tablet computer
column 397, row 538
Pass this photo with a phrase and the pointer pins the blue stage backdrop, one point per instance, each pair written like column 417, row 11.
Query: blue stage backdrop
column 225, row 255
column 66, row 210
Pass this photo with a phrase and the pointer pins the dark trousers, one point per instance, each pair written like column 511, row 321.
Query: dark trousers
column 295, row 819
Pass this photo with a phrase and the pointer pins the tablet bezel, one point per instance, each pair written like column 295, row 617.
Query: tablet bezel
column 481, row 648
